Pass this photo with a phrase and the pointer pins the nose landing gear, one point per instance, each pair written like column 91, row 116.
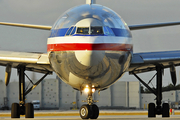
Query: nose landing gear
column 89, row 110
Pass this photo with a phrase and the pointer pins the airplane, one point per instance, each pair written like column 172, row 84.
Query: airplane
column 90, row 48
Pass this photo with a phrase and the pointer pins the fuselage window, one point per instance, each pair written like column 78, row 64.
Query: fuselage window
column 96, row 30
column 83, row 30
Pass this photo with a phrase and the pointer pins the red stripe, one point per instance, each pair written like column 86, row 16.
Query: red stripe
column 87, row 46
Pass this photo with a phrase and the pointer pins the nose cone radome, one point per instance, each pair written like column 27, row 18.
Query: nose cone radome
column 89, row 58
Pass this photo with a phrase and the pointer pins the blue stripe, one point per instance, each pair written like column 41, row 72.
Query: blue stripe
column 59, row 32
column 118, row 32
column 121, row 32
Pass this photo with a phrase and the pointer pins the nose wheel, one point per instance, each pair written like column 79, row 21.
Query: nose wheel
column 95, row 112
column 85, row 111
column 89, row 111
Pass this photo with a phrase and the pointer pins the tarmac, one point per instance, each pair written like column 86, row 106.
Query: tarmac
column 104, row 115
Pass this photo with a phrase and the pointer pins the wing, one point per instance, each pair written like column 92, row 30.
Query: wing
column 144, row 62
column 42, row 27
column 147, row 26
column 37, row 62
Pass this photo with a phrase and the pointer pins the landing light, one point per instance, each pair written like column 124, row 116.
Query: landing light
column 93, row 90
column 86, row 90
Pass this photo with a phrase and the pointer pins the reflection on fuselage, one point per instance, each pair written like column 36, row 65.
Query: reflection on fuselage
column 101, row 75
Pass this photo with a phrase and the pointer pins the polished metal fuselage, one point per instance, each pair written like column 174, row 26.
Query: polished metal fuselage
column 113, row 65
column 81, row 60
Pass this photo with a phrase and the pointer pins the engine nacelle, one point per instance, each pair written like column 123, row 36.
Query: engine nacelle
column 7, row 74
column 173, row 74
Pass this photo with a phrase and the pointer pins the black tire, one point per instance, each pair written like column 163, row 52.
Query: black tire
column 29, row 110
column 151, row 110
column 15, row 111
column 84, row 111
column 95, row 111
column 165, row 110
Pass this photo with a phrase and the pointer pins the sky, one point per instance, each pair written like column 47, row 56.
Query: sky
column 46, row 12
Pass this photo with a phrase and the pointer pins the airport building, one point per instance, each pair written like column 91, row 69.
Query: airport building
column 55, row 94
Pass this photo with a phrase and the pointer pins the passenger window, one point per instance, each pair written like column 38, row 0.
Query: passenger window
column 96, row 30
column 83, row 30
column 69, row 31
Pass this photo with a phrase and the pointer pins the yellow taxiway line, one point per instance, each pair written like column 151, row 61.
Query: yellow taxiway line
column 77, row 114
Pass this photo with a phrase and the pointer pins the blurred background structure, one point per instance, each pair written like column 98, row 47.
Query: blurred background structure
column 55, row 94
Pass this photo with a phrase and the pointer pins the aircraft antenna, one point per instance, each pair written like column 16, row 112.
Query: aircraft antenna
column 90, row 2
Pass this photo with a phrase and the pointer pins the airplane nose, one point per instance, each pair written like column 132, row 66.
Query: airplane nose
column 89, row 58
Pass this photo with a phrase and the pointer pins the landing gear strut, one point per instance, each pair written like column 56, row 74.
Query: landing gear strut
column 23, row 108
column 89, row 110
column 158, row 109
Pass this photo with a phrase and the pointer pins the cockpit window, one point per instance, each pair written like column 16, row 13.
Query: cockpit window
column 69, row 31
column 83, row 30
column 96, row 30
column 108, row 31
column 73, row 31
